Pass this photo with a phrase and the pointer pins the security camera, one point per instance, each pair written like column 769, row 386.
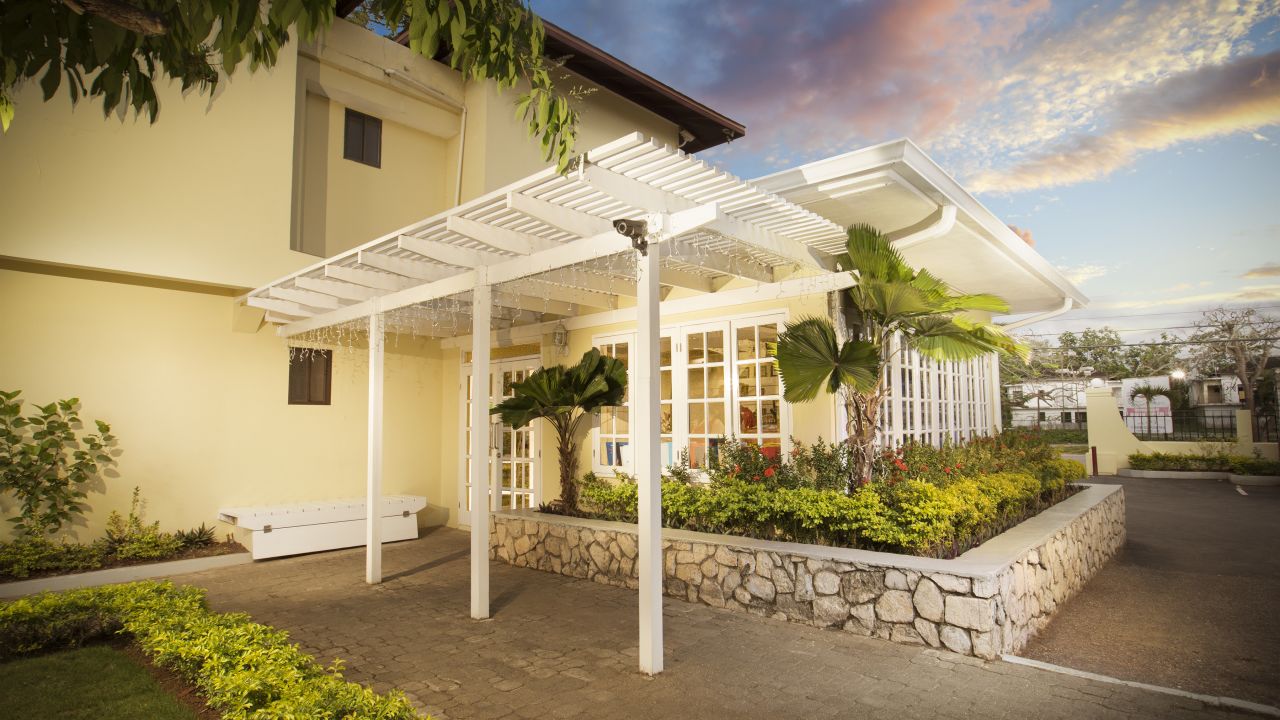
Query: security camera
column 634, row 229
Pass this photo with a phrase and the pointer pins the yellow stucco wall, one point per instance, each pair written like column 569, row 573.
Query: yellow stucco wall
column 203, row 194
column 201, row 412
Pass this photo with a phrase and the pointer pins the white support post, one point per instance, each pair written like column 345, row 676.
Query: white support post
column 373, row 499
column 647, row 438
column 480, row 328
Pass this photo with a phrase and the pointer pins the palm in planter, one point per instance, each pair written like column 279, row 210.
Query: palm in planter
column 565, row 398
column 890, row 299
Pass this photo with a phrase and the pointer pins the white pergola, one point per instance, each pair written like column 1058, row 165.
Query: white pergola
column 545, row 249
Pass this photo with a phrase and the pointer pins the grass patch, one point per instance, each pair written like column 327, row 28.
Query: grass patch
column 97, row 681
column 1071, row 449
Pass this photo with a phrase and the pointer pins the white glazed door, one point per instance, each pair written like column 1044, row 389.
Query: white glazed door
column 515, row 481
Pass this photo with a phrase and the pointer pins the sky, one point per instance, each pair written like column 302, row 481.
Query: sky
column 1137, row 143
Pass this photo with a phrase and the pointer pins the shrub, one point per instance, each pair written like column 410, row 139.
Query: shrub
column 130, row 539
column 196, row 537
column 1054, row 474
column 45, row 464
column 1212, row 460
column 242, row 669
column 26, row 556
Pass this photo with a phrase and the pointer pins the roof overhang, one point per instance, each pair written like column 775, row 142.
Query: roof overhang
column 934, row 221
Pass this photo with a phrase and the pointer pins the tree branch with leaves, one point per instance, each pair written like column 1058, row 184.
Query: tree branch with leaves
column 117, row 51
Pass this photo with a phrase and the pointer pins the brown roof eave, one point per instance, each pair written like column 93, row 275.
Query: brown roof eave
column 708, row 127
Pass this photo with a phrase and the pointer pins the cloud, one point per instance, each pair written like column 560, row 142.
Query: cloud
column 1208, row 102
column 1080, row 274
column 1261, row 138
column 1024, row 234
column 1269, row 270
column 1247, row 294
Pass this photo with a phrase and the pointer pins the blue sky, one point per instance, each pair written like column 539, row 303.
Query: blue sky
column 1137, row 142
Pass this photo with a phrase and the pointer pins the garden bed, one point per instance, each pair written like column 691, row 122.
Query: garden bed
column 989, row 600
column 109, row 562
column 1208, row 465
column 1235, row 479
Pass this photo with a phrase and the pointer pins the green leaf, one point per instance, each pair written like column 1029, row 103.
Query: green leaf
column 810, row 359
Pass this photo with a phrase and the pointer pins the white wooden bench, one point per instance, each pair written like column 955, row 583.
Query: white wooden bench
column 278, row 530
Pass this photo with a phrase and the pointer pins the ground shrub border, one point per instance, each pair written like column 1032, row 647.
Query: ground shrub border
column 244, row 670
column 1204, row 462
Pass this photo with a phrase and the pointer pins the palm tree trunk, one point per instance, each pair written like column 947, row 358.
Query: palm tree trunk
column 568, row 449
column 862, row 411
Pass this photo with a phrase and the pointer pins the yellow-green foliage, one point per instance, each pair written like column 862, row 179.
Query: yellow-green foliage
column 244, row 670
column 912, row 516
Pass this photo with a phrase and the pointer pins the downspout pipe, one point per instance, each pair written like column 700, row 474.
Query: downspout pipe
column 1067, row 304
column 450, row 102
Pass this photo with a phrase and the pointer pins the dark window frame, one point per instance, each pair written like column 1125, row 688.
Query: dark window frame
column 304, row 366
column 362, row 138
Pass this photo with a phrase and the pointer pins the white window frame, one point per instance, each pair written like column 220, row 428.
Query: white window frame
column 676, row 333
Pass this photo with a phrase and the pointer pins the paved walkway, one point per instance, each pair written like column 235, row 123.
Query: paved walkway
column 1192, row 602
column 559, row 648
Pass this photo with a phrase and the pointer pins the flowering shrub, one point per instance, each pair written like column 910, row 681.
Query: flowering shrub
column 923, row 500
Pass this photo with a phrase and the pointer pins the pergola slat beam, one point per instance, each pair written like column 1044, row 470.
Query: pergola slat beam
column 338, row 289
column 368, row 278
column 305, row 297
column 720, row 262
column 512, row 241
column 446, row 253
column 590, row 281
column 558, row 216
column 585, row 298
column 280, row 306
column 567, row 255
column 405, row 267
column 534, row 303
column 685, row 279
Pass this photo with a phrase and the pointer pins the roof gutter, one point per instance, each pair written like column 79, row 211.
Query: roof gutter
column 1067, row 304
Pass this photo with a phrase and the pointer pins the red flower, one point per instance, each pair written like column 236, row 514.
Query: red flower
column 737, row 468
column 768, row 472
column 946, row 470
column 901, row 465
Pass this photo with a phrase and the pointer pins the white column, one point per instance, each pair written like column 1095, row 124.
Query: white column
column 480, row 322
column 373, row 497
column 646, row 439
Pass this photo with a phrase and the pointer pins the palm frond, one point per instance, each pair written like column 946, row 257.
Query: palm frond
column 811, row 359
column 942, row 337
column 873, row 256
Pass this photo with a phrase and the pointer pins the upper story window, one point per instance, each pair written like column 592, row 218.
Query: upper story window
column 310, row 376
column 362, row 139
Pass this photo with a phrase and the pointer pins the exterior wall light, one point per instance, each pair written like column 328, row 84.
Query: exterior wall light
column 560, row 339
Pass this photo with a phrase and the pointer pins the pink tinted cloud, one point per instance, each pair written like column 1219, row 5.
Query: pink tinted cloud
column 1212, row 101
column 850, row 73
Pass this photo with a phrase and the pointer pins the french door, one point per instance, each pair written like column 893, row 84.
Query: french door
column 514, row 476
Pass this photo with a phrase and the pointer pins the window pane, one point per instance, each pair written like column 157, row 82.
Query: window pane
column 620, row 352
column 373, row 141
column 697, row 452
column 664, row 418
column 715, row 346
column 769, row 418
column 747, row 380
column 769, row 379
column 666, row 385
column 696, row 389
column 768, row 340
column 697, row 419
column 747, row 423
column 353, row 136
column 664, row 352
column 620, row 421
column 695, row 349
column 746, row 343
column 715, row 419
column 715, row 382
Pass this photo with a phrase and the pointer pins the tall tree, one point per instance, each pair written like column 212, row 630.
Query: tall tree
column 1097, row 348
column 1236, row 341
column 1151, row 359
column 118, row 50
column 890, row 300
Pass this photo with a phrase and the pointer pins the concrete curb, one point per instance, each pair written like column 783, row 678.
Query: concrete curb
column 1254, row 480
column 1212, row 700
column 121, row 575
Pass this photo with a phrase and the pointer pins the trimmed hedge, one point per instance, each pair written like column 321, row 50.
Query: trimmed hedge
column 243, row 670
column 912, row 516
column 1208, row 462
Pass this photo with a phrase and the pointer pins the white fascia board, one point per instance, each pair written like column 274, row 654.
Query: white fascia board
column 783, row 290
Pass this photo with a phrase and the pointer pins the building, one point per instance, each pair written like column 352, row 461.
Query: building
column 182, row 278
column 1050, row 403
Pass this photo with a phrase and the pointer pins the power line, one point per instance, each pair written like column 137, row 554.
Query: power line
column 1123, row 330
column 1153, row 344
column 1170, row 312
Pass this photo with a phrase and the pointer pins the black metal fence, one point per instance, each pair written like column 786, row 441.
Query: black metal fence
column 1183, row 426
column 1265, row 428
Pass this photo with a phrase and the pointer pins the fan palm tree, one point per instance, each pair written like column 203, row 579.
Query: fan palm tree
column 1148, row 392
column 566, row 397
column 890, row 299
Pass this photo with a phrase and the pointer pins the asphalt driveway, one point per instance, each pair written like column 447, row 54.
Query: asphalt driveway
column 1193, row 600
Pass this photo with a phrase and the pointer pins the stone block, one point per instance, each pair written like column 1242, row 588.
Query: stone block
column 951, row 583
column 830, row 611
column 895, row 606
column 862, row 586
column 826, row 583
column 725, row 557
column 955, row 639
column 895, row 580
column 760, row 587
column 985, row 587
column 709, row 567
column 906, row 635
column 969, row 612
column 927, row 631
column 928, row 600
column 985, row 645
column 689, row 573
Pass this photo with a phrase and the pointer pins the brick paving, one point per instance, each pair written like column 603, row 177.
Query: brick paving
column 558, row 647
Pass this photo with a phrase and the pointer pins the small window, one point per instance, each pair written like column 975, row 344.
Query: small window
column 362, row 140
column 310, row 376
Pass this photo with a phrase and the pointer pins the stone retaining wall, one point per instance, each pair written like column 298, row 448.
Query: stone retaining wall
column 989, row 601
